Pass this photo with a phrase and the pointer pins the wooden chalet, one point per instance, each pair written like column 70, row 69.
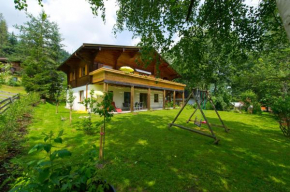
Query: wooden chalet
column 15, row 65
column 96, row 66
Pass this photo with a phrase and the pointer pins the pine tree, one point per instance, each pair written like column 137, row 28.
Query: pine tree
column 3, row 35
column 40, row 46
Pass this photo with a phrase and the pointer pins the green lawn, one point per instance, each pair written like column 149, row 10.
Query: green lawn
column 142, row 154
column 12, row 89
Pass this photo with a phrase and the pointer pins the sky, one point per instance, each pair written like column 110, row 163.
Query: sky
column 76, row 22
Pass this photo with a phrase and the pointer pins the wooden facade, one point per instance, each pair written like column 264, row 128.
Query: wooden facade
column 100, row 64
column 15, row 65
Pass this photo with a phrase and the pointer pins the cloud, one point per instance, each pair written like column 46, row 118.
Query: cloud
column 76, row 22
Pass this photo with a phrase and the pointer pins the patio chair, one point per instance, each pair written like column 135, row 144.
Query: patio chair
column 116, row 109
column 136, row 107
column 126, row 106
column 140, row 105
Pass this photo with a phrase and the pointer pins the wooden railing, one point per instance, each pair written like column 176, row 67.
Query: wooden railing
column 5, row 104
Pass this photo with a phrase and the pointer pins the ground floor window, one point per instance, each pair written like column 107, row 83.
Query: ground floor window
column 82, row 95
column 156, row 100
column 127, row 97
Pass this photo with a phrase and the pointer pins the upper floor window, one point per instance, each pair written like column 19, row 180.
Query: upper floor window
column 83, row 71
column 72, row 75
column 100, row 65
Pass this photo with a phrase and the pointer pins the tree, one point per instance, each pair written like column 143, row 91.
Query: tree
column 104, row 110
column 59, row 92
column 70, row 101
column 40, row 46
column 3, row 35
column 4, row 72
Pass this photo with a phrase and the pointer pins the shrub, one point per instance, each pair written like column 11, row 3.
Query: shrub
column 248, row 97
column 168, row 105
column 208, row 106
column 13, row 82
column 257, row 108
column 282, row 111
column 11, row 120
column 51, row 173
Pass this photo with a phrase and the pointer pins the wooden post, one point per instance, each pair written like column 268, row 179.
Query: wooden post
column 182, row 98
column 132, row 99
column 105, row 87
column 148, row 98
column 101, row 143
column 164, row 94
column 173, row 99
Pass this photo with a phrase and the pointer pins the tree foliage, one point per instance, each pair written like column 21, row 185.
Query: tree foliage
column 40, row 45
column 3, row 35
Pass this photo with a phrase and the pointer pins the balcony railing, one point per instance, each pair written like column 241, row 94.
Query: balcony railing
column 112, row 76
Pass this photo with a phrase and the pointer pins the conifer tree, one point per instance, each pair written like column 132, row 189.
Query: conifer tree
column 40, row 47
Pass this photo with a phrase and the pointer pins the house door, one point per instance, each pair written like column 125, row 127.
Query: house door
column 143, row 99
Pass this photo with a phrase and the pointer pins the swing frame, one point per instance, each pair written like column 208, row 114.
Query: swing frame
column 196, row 93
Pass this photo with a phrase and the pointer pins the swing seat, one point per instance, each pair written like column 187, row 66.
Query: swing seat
column 203, row 122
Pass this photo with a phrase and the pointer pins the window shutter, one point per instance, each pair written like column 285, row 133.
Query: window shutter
column 80, row 72
column 86, row 69
column 70, row 76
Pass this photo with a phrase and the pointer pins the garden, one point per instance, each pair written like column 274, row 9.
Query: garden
column 235, row 51
column 142, row 154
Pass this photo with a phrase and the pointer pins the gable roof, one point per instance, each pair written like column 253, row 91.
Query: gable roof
column 88, row 46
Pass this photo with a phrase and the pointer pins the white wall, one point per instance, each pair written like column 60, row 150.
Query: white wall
column 118, row 95
column 77, row 105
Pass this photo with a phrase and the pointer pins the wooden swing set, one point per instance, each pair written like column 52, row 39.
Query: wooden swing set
column 200, row 97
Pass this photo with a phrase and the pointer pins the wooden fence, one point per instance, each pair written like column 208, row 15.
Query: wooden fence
column 9, row 98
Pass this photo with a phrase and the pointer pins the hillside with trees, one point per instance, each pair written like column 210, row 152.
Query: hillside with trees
column 38, row 47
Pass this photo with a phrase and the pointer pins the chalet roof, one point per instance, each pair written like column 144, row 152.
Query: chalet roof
column 86, row 47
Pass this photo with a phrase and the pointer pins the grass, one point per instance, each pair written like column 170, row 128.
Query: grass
column 142, row 154
column 12, row 89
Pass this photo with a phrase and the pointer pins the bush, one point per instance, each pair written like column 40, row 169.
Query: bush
column 168, row 105
column 208, row 106
column 282, row 111
column 257, row 108
column 11, row 120
column 248, row 97
column 13, row 82
column 87, row 125
column 51, row 173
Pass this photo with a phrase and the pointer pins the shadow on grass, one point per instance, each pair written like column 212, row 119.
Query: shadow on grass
column 160, row 157
column 142, row 154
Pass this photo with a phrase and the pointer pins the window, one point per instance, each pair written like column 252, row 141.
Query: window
column 100, row 65
column 83, row 71
column 72, row 76
column 155, row 98
column 82, row 96
column 127, row 97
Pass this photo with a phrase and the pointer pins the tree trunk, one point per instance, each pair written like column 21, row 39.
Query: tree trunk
column 284, row 10
column 101, row 144
column 70, row 118
column 56, row 108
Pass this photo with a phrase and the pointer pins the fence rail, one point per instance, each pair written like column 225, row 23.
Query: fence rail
column 5, row 104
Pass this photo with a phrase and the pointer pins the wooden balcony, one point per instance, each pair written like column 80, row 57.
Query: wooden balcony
column 112, row 76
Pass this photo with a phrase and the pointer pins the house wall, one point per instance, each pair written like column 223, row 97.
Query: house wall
column 118, row 95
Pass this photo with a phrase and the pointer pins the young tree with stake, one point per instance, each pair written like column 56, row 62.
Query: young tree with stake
column 104, row 109
column 70, row 101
